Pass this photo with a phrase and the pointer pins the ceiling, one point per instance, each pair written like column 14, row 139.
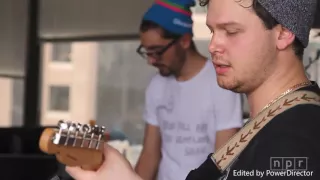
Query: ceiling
column 63, row 19
column 78, row 18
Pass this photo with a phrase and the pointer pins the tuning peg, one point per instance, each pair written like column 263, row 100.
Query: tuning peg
column 102, row 129
column 60, row 122
column 94, row 129
column 73, row 127
column 69, row 123
column 78, row 126
column 85, row 128
column 62, row 125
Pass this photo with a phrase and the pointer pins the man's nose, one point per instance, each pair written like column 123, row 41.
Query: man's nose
column 151, row 60
column 216, row 45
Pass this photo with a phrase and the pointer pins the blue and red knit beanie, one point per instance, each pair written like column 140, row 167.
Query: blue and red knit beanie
column 172, row 15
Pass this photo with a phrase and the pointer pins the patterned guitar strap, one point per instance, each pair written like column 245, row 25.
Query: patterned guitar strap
column 225, row 156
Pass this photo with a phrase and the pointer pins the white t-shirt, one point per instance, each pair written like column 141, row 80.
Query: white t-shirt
column 188, row 114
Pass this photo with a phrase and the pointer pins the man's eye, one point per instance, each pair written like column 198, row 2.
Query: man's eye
column 232, row 32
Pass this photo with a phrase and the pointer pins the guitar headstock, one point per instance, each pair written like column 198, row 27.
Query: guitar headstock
column 75, row 144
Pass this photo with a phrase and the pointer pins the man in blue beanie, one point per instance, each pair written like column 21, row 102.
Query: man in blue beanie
column 187, row 114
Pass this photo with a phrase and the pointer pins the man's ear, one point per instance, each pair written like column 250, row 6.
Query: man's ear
column 284, row 37
column 185, row 41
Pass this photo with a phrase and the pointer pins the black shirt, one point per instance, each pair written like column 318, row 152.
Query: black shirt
column 291, row 140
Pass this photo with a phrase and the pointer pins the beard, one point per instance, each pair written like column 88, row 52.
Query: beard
column 175, row 65
column 165, row 73
column 232, row 84
column 163, row 70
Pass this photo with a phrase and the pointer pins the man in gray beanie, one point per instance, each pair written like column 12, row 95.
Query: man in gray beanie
column 257, row 48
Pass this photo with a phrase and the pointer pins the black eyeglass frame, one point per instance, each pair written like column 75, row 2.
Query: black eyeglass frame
column 156, row 54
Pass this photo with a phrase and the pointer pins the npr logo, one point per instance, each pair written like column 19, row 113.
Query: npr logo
column 289, row 163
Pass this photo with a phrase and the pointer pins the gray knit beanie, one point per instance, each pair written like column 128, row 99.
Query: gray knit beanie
column 296, row 15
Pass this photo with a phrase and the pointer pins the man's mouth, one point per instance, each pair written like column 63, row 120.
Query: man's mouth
column 221, row 68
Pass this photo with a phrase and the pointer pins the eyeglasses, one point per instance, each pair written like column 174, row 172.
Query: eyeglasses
column 154, row 54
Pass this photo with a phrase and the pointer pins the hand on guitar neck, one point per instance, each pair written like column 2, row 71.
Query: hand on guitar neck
column 82, row 148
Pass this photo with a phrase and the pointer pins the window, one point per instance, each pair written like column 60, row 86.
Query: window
column 59, row 98
column 11, row 104
column 197, row 9
column 121, row 81
column 121, row 77
column 17, row 101
column 61, row 52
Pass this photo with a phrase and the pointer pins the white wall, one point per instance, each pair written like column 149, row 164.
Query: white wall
column 6, row 102
column 79, row 75
column 201, row 31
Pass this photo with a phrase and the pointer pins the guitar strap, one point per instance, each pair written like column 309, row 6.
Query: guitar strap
column 226, row 155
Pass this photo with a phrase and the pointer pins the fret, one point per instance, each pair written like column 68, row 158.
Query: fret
column 79, row 135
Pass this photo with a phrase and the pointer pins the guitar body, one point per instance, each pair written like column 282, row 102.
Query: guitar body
column 75, row 144
column 206, row 171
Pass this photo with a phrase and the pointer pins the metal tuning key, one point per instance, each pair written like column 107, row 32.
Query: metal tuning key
column 100, row 136
column 78, row 127
column 93, row 133
column 71, row 135
column 63, row 127
column 68, row 132
column 79, row 135
column 85, row 129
